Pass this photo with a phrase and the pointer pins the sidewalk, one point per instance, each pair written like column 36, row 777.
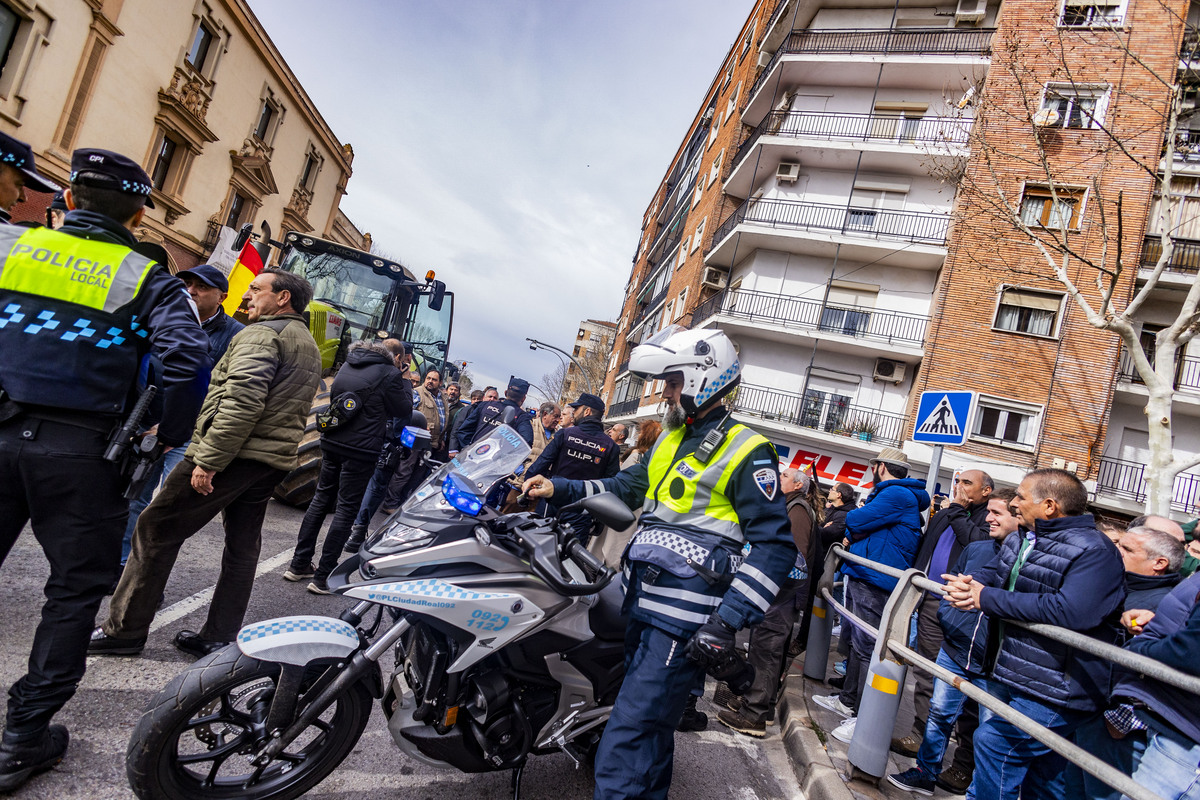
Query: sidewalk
column 819, row 760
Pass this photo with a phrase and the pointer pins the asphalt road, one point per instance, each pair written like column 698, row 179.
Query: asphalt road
column 712, row 764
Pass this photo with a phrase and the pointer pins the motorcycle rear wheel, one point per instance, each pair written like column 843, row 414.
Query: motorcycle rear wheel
column 198, row 737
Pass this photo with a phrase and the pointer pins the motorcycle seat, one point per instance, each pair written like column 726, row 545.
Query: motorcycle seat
column 605, row 616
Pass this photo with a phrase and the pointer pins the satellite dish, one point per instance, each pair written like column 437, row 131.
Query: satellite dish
column 1046, row 117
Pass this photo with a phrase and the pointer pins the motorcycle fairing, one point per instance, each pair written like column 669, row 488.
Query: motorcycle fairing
column 298, row 640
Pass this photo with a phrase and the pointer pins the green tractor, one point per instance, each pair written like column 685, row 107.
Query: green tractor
column 357, row 295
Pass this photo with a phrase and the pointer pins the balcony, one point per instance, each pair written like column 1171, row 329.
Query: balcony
column 1187, row 372
column 851, row 57
column 820, row 412
column 802, row 227
column 624, row 408
column 1126, row 479
column 886, row 143
column 834, row 322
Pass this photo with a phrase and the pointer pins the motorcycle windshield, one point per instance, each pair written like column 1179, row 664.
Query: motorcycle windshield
column 483, row 463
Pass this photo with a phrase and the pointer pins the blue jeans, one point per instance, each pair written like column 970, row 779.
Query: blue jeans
column 373, row 497
column 1009, row 763
column 158, row 473
column 945, row 705
column 1124, row 754
column 1170, row 766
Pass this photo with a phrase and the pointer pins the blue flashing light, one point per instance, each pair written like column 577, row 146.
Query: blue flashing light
column 460, row 495
column 408, row 438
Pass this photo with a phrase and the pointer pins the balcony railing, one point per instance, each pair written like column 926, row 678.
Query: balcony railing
column 899, row 41
column 624, row 407
column 821, row 412
column 1185, row 257
column 919, row 227
column 1127, row 479
column 1187, row 372
column 1187, row 145
column 859, row 127
column 790, row 311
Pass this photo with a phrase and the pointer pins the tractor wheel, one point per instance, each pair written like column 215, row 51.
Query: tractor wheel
column 298, row 487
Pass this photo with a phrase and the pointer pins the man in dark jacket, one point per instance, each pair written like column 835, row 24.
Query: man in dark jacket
column 1152, row 559
column 1060, row 570
column 349, row 453
column 885, row 529
column 480, row 419
column 963, row 521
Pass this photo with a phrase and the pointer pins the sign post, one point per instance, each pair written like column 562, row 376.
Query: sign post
column 942, row 419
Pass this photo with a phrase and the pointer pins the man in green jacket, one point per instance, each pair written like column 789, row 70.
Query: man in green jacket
column 244, row 442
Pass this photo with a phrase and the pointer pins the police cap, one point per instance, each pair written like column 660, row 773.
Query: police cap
column 518, row 385
column 105, row 169
column 59, row 203
column 19, row 156
column 590, row 401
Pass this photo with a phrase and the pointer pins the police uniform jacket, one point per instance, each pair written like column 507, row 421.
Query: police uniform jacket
column 487, row 415
column 580, row 452
column 79, row 310
column 695, row 520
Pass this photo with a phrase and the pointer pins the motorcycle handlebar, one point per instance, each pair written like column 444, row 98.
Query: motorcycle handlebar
column 588, row 562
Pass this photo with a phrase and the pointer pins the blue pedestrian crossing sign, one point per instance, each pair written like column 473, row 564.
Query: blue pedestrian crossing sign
column 943, row 417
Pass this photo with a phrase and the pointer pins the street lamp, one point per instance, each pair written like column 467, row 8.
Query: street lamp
column 534, row 344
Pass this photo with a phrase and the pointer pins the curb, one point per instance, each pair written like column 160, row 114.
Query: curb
column 818, row 778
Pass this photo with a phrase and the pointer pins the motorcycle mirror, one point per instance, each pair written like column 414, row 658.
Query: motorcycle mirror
column 607, row 509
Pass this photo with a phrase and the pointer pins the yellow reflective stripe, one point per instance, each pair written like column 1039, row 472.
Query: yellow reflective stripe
column 818, row 611
column 93, row 274
column 719, row 506
column 885, row 685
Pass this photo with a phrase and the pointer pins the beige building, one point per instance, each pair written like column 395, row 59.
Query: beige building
column 193, row 89
column 593, row 344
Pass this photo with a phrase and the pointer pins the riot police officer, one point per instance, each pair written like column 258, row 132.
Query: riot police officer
column 582, row 452
column 79, row 310
column 708, row 486
column 483, row 417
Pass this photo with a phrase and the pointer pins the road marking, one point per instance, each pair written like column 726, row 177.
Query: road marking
column 187, row 605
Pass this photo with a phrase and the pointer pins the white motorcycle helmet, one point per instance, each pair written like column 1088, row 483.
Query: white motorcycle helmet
column 706, row 358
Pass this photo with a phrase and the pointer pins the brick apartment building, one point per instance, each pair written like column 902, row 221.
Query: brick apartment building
column 195, row 91
column 826, row 210
column 593, row 343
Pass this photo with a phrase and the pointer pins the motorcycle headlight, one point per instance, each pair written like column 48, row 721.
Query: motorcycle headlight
column 397, row 538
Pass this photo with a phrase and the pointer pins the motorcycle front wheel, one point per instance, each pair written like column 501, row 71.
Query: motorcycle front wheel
column 201, row 732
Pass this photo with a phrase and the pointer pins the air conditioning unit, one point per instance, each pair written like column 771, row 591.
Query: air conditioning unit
column 715, row 278
column 764, row 58
column 972, row 11
column 889, row 371
column 788, row 172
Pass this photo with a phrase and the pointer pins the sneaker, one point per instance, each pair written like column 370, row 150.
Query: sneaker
column 296, row 574
column 693, row 719
column 319, row 586
column 20, row 760
column 954, row 780
column 840, row 667
column 833, row 703
column 913, row 780
column 907, row 746
column 845, row 731
column 723, row 697
column 742, row 724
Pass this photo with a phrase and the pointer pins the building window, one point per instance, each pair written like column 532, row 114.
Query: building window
column 202, row 44
column 1004, row 422
column 237, row 207
column 9, row 23
column 681, row 303
column 714, row 172
column 1025, row 311
column 698, row 237
column 748, row 41
column 867, row 200
column 164, row 160
column 732, row 104
column 270, row 112
column 310, row 171
column 1074, row 106
column 265, row 115
column 848, row 307
column 1043, row 208
column 1086, row 13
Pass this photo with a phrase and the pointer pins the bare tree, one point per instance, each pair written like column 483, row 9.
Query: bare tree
column 551, row 383
column 1047, row 86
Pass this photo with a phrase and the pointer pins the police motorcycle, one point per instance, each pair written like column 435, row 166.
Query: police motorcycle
column 485, row 638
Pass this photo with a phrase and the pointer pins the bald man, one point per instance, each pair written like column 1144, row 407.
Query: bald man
column 1159, row 524
column 949, row 531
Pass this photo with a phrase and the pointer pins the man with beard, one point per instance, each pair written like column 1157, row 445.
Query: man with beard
column 709, row 486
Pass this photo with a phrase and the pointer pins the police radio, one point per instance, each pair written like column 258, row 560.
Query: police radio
column 712, row 440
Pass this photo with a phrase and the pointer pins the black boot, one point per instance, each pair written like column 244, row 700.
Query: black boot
column 357, row 537
column 693, row 720
column 21, row 758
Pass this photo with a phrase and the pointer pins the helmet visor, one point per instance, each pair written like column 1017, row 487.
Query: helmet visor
column 666, row 333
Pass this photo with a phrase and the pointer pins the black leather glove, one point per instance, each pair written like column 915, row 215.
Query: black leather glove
column 712, row 642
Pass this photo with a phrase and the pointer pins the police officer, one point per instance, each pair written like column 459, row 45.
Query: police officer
column 581, row 452
column 17, row 173
column 79, row 309
column 708, row 486
column 489, row 414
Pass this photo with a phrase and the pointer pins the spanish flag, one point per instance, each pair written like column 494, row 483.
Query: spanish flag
column 248, row 265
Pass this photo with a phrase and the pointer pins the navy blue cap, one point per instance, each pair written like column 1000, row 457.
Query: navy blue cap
column 208, row 275
column 18, row 155
column 59, row 203
column 590, row 401
column 519, row 384
column 108, row 170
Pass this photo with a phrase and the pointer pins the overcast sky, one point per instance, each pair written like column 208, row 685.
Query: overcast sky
column 510, row 146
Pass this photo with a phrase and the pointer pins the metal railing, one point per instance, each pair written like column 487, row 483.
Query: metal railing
column 1187, row 371
column 820, row 412
column 918, row 227
column 1185, row 257
column 1119, row 478
column 893, row 41
column 624, row 407
column 859, row 127
column 793, row 312
column 880, row 702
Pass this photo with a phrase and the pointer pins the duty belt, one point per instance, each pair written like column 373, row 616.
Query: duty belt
column 695, row 555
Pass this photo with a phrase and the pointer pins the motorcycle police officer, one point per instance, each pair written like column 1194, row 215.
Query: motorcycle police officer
column 79, row 309
column 483, row 417
column 582, row 452
column 707, row 487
